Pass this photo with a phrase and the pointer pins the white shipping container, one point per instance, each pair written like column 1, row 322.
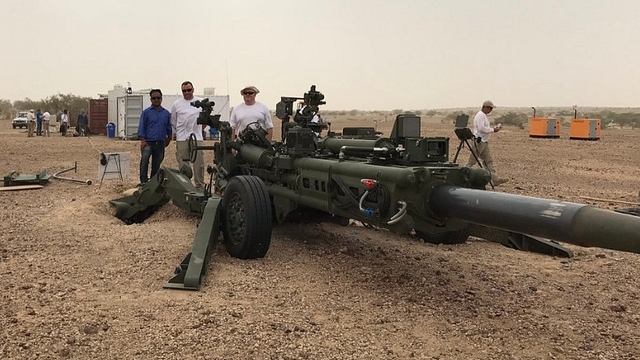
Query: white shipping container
column 125, row 109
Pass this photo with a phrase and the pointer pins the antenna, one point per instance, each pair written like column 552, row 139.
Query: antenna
column 226, row 66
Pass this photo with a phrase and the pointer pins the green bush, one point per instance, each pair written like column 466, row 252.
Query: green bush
column 512, row 118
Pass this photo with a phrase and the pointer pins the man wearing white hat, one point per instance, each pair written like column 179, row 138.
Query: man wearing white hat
column 250, row 111
column 482, row 130
column 31, row 123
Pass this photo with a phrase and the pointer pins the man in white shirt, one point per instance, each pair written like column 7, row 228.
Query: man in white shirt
column 64, row 125
column 31, row 123
column 250, row 111
column 184, row 123
column 482, row 130
column 45, row 123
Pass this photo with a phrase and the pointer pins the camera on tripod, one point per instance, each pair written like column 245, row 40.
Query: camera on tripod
column 463, row 133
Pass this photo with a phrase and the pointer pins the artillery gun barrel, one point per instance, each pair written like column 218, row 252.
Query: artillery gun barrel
column 568, row 222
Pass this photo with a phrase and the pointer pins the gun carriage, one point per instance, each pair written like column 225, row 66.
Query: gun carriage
column 404, row 183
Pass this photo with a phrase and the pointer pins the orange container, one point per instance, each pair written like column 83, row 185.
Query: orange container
column 544, row 127
column 585, row 129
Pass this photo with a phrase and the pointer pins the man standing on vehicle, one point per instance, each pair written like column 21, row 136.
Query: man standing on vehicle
column 45, row 123
column 250, row 111
column 184, row 123
column 31, row 123
column 154, row 131
column 482, row 131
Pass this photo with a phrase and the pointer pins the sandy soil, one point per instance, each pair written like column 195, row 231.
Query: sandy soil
column 78, row 283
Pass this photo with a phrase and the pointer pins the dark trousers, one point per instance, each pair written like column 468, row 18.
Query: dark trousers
column 39, row 128
column 82, row 129
column 155, row 151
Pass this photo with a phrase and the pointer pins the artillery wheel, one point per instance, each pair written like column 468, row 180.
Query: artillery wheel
column 447, row 237
column 247, row 219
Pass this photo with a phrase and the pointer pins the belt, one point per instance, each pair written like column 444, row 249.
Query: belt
column 156, row 142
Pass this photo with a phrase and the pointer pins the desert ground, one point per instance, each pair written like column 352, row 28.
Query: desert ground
column 78, row 283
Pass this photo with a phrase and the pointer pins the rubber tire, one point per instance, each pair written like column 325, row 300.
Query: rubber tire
column 447, row 238
column 246, row 217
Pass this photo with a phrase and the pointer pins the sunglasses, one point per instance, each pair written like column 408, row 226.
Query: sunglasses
column 156, row 98
column 248, row 93
column 187, row 90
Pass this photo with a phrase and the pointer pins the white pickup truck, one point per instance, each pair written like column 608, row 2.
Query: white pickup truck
column 20, row 120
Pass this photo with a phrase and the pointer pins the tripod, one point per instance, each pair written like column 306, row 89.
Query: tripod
column 465, row 134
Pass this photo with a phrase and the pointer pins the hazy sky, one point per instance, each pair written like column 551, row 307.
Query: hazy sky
column 362, row 54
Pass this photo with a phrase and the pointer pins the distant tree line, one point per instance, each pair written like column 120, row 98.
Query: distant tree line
column 390, row 113
column 54, row 104
column 513, row 118
column 521, row 119
column 625, row 119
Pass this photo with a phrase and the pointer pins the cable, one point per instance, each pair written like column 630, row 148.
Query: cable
column 93, row 146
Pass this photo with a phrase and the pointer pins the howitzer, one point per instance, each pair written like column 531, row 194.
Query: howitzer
column 404, row 183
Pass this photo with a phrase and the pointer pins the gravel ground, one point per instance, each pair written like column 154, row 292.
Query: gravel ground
column 78, row 283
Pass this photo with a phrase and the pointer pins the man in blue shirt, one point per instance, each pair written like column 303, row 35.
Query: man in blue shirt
column 39, row 123
column 154, row 131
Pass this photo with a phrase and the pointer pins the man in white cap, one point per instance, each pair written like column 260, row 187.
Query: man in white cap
column 31, row 123
column 482, row 130
column 250, row 111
